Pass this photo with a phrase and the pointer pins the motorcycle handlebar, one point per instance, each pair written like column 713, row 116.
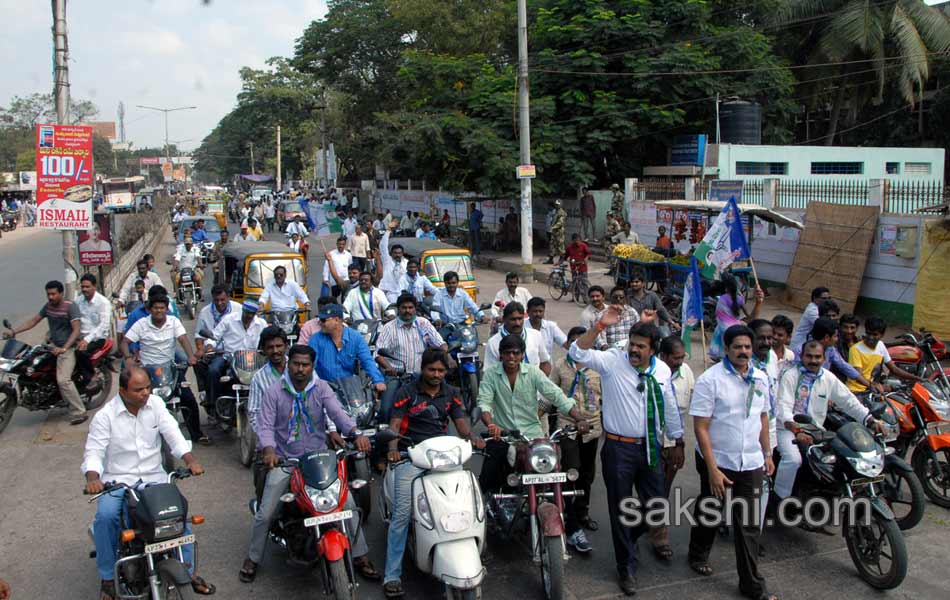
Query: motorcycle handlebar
column 505, row 433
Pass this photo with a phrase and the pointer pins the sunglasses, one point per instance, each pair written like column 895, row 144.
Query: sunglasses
column 618, row 297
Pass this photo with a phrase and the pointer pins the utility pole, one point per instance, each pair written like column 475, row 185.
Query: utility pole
column 279, row 182
column 251, row 145
column 527, row 251
column 323, row 140
column 61, row 94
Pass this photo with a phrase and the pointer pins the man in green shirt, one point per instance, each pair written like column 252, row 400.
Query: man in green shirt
column 508, row 399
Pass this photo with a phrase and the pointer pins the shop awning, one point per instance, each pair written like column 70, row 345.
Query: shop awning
column 712, row 207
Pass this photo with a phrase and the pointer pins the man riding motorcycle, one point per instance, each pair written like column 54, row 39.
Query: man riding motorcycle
column 292, row 423
column 187, row 256
column 208, row 318
column 124, row 445
column 455, row 305
column 422, row 410
column 96, row 318
column 235, row 332
column 281, row 294
column 366, row 302
column 339, row 347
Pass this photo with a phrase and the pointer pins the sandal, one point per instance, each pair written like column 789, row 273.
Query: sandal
column 664, row 552
column 702, row 568
column 107, row 590
column 202, row 587
column 204, row 440
column 248, row 571
column 365, row 568
column 393, row 589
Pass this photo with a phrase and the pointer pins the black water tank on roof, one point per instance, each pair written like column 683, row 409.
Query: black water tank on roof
column 740, row 122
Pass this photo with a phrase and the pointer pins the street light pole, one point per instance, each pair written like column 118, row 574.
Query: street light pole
column 61, row 92
column 524, row 117
column 279, row 181
column 168, row 150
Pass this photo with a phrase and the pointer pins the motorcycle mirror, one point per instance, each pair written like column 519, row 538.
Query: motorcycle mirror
column 385, row 353
column 206, row 334
column 484, row 307
column 804, row 419
column 168, row 262
column 385, row 436
column 6, row 323
column 476, row 414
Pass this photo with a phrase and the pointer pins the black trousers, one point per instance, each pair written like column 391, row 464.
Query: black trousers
column 625, row 467
column 745, row 484
column 84, row 357
column 495, row 467
column 582, row 456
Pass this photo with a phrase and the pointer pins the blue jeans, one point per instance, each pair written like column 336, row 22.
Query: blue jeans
column 476, row 240
column 399, row 481
column 216, row 370
column 110, row 515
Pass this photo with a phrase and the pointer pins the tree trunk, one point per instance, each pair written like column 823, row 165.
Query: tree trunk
column 835, row 115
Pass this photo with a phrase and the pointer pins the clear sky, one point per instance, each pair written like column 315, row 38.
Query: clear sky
column 163, row 53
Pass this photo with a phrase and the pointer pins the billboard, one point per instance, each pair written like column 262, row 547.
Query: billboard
column 688, row 150
column 28, row 181
column 95, row 244
column 64, row 177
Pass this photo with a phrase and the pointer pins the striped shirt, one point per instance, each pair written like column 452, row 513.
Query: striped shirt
column 262, row 380
column 407, row 341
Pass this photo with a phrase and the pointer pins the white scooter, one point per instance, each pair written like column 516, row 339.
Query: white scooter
column 447, row 528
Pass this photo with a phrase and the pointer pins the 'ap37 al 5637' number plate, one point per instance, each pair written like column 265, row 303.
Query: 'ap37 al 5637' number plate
column 538, row 478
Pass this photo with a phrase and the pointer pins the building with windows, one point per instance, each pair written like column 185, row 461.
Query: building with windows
column 817, row 163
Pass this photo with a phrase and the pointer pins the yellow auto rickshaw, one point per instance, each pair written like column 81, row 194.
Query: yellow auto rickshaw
column 438, row 258
column 250, row 268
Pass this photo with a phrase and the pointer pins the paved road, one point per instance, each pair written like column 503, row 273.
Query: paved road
column 45, row 547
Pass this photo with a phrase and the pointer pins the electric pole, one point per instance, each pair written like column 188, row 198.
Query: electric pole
column 61, row 94
column 323, row 140
column 168, row 150
column 527, row 251
column 251, row 146
column 279, row 182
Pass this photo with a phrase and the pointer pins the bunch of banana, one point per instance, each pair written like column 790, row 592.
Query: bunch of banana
column 637, row 252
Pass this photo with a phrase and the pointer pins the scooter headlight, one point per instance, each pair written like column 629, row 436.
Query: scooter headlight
column 423, row 511
column 325, row 500
column 444, row 460
column 869, row 464
column 543, row 458
column 362, row 328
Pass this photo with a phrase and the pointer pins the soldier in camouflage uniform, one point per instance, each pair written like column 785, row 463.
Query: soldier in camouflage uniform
column 613, row 228
column 617, row 202
column 557, row 247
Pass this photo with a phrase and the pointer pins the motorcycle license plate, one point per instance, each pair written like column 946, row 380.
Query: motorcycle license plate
column 539, row 478
column 169, row 544
column 867, row 480
column 468, row 354
column 330, row 518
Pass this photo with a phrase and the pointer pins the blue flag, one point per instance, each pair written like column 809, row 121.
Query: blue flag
column 305, row 205
column 692, row 303
column 725, row 242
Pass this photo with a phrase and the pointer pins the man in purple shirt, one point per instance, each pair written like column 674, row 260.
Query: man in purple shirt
column 292, row 423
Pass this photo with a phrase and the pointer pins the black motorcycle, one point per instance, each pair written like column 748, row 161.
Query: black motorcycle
column 189, row 292
column 10, row 220
column 150, row 562
column 167, row 383
column 849, row 464
column 288, row 321
column 359, row 401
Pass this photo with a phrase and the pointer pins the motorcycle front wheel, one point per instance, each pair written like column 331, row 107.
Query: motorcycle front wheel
column 364, row 495
column 471, row 396
column 7, row 404
column 934, row 475
column 340, row 581
column 452, row 593
column 878, row 551
column 247, row 440
column 904, row 493
column 170, row 591
column 552, row 567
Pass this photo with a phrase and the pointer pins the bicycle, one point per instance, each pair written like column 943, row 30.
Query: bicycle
column 577, row 285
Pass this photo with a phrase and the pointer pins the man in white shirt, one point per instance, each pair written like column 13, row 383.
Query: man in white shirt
column 157, row 336
column 782, row 328
column 764, row 359
column 340, row 259
column 281, row 294
column 125, row 445
column 809, row 316
column 349, row 226
column 238, row 330
column 395, row 266
column 593, row 312
column 94, row 326
column 512, row 292
column 179, row 215
column 638, row 407
column 673, row 353
column 549, row 330
column 730, row 409
column 416, row 283
column 150, row 278
column 358, row 245
column 297, row 226
column 808, row 389
column 270, row 212
column 220, row 306
column 367, row 301
column 245, row 235
column 407, row 223
column 187, row 256
column 387, row 219
column 536, row 352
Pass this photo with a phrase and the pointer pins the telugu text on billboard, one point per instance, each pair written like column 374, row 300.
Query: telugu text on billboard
column 64, row 177
column 95, row 245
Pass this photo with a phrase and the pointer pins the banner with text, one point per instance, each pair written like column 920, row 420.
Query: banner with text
column 64, row 177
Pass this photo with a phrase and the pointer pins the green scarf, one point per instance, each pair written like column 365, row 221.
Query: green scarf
column 655, row 408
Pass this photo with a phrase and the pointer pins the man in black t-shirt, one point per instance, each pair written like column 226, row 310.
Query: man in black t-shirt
column 63, row 318
column 421, row 411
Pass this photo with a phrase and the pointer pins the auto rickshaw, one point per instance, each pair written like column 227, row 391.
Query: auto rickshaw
column 218, row 207
column 250, row 268
column 438, row 258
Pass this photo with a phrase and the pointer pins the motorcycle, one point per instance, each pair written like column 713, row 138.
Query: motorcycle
column 167, row 383
column 189, row 293
column 921, row 356
column 287, row 321
column 231, row 405
column 150, row 562
column 901, row 486
column 312, row 523
column 369, row 328
column 849, row 463
column 462, row 339
column 537, row 503
column 359, row 401
column 28, row 378
column 447, row 528
column 10, row 220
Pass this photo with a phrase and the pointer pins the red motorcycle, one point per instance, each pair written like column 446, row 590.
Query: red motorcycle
column 312, row 521
column 921, row 356
column 536, row 504
column 28, row 378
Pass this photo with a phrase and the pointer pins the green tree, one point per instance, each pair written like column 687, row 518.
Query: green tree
column 884, row 43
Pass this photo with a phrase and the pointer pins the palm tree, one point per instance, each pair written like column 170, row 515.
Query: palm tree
column 878, row 41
